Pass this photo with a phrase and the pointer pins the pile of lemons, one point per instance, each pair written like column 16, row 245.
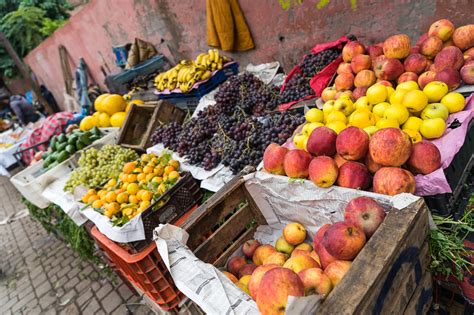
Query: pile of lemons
column 420, row 113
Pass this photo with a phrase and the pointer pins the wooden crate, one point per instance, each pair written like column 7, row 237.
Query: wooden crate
column 389, row 276
column 142, row 120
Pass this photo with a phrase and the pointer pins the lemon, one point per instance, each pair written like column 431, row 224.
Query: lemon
column 104, row 120
column 387, row 123
column 314, row 115
column 371, row 130
column 112, row 104
column 408, row 85
column 432, row 128
column 412, row 123
column 87, row 123
column 362, row 118
column 435, row 90
column 397, row 96
column 376, row 94
column 415, row 100
column 98, row 102
column 454, row 101
column 300, row 141
column 414, row 135
column 336, row 115
column 397, row 112
column 337, row 126
column 117, row 119
column 309, row 127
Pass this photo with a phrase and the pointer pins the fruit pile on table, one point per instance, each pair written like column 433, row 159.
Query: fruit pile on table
column 110, row 111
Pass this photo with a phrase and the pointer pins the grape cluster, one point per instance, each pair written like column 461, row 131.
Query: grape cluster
column 97, row 166
column 295, row 89
column 312, row 64
column 168, row 135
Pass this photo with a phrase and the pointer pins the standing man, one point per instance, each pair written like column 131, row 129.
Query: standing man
column 25, row 112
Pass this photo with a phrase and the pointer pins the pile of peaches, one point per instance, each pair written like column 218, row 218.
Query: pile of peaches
column 295, row 268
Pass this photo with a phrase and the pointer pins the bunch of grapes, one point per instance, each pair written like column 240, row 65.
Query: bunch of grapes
column 313, row 64
column 167, row 134
column 98, row 166
column 296, row 88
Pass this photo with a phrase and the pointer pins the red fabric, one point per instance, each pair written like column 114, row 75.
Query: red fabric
column 320, row 80
column 52, row 125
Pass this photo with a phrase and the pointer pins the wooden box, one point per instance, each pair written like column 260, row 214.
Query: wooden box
column 142, row 120
column 389, row 276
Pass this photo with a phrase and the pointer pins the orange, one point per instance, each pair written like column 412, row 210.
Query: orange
column 141, row 177
column 111, row 196
column 144, row 204
column 119, row 190
column 129, row 167
column 112, row 208
column 161, row 188
column 131, row 178
column 123, row 177
column 92, row 198
column 124, row 186
column 140, row 193
column 97, row 204
column 91, row 192
column 158, row 170
column 149, row 177
column 127, row 211
column 147, row 195
column 122, row 197
column 146, row 157
column 157, row 179
column 155, row 160
column 147, row 170
column 133, row 188
column 133, row 199
column 174, row 163
column 137, row 170
column 142, row 183
column 168, row 169
column 173, row 175
column 85, row 198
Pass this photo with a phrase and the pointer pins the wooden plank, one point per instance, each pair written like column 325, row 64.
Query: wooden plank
column 422, row 298
column 365, row 283
column 222, row 260
column 258, row 215
column 223, row 236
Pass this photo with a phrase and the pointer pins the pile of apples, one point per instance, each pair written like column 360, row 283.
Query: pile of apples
column 293, row 267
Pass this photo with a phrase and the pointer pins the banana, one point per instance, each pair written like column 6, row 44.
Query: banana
column 213, row 66
column 183, row 88
column 182, row 73
column 211, row 54
column 171, row 86
column 206, row 75
column 199, row 58
column 173, row 75
column 219, row 65
column 191, row 84
column 189, row 75
column 204, row 60
column 198, row 75
column 216, row 55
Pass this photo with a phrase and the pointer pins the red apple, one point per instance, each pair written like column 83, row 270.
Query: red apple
column 407, row 76
column 235, row 264
column 257, row 275
column 365, row 213
column 344, row 67
column 273, row 158
column 387, row 68
column 429, row 62
column 323, row 171
column 247, row 269
column 449, row 57
column 375, row 51
column 448, row 43
column 318, row 237
column 463, row 37
column 341, row 93
column 359, row 92
column 249, row 248
column 425, row 158
column 339, row 160
column 344, row 81
column 364, row 78
column 397, row 46
column 425, row 78
column 322, row 141
column 371, row 165
column 294, row 233
column 301, row 262
column 276, row 258
column 431, row 46
column 352, row 49
column 315, row 281
column 394, row 180
column 421, row 39
column 442, row 28
column 261, row 253
column 469, row 54
column 449, row 76
column 384, row 82
column 354, row 175
column 415, row 63
column 352, row 143
column 324, row 256
column 275, row 287
column 414, row 49
column 344, row 240
column 467, row 73
column 329, row 93
column 360, row 62
column 390, row 147
column 296, row 162
column 337, row 270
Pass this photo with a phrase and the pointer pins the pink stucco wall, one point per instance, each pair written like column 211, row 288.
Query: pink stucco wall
column 178, row 28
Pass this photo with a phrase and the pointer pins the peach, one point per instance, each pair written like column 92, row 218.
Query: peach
column 283, row 246
column 337, row 270
column 463, row 37
column 449, row 57
column 322, row 141
column 429, row 62
column 296, row 162
column 415, row 63
column 421, row 39
column 352, row 49
column 305, row 247
column 344, row 240
column 318, row 237
column 467, row 73
column 407, row 76
column 249, row 248
column 425, row 78
column 315, row 281
column 442, row 28
column 352, row 143
column 425, row 158
column 371, row 165
column 299, row 252
column 397, row 46
column 339, row 160
column 414, row 49
column 344, row 67
column 235, row 264
column 230, row 276
column 375, row 51
column 384, row 82
column 359, row 92
column 294, row 233
column 365, row 213
column 354, row 175
column 344, row 81
column 256, row 278
column 275, row 287
column 261, row 253
column 394, row 180
column 387, row 68
column 247, row 269
column 324, row 256
column 390, row 147
column 361, row 62
column 431, row 46
column 469, row 54
column 329, row 93
column 273, row 158
column 364, row 78
column 449, row 76
column 276, row 258
column 301, row 262
column 323, row 171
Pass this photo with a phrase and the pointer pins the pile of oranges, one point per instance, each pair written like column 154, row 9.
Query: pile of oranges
column 140, row 184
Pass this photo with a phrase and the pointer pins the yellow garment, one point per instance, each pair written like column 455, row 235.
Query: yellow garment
column 226, row 26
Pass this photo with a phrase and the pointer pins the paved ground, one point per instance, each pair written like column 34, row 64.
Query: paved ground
column 41, row 275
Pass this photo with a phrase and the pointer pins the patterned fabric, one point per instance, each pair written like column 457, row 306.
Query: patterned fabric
column 53, row 125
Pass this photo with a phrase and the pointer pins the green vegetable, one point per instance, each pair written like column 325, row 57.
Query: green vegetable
column 62, row 138
column 80, row 145
column 96, row 132
column 61, row 146
column 70, row 149
column 52, row 143
column 85, row 139
column 72, row 139
column 62, row 156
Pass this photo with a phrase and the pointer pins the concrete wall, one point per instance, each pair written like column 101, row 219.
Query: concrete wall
column 179, row 28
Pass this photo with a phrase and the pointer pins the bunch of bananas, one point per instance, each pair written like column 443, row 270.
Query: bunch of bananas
column 185, row 74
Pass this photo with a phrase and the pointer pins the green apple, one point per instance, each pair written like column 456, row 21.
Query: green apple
column 435, row 110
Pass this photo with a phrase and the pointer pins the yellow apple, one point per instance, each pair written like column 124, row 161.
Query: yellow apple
column 454, row 101
column 309, row 127
column 435, row 110
column 414, row 135
column 412, row 123
column 387, row 123
column 397, row 96
column 432, row 128
column 379, row 109
column 397, row 112
column 435, row 90
column 336, row 126
column 408, row 85
column 314, row 115
column 371, row 130
column 377, row 94
column 345, row 105
column 415, row 100
column 300, row 141
column 362, row 118
column 363, row 103
column 336, row 115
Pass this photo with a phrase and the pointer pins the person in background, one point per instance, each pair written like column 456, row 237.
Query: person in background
column 24, row 111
